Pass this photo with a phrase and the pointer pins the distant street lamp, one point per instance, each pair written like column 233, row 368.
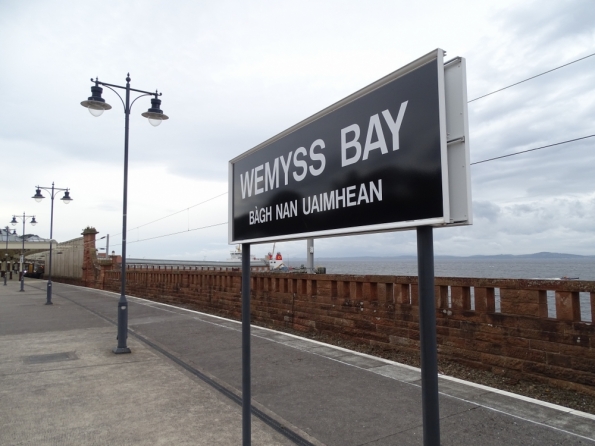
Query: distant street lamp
column 7, row 230
column 96, row 106
column 33, row 223
column 65, row 199
column 106, row 245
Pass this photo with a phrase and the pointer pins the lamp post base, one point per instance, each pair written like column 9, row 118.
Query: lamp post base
column 122, row 325
column 121, row 350
column 49, row 294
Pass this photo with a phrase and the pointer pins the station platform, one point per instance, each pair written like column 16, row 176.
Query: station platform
column 61, row 384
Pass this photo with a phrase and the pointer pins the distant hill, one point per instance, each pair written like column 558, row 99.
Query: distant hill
column 537, row 255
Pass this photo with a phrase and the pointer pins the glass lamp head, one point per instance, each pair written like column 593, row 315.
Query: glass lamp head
column 38, row 197
column 155, row 115
column 95, row 103
column 66, row 198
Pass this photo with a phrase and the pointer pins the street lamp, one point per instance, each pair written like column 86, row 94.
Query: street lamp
column 106, row 245
column 7, row 231
column 33, row 223
column 96, row 106
column 65, row 199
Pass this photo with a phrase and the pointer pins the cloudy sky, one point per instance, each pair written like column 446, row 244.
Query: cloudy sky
column 235, row 73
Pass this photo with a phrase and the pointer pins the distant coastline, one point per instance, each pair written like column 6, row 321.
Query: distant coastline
column 534, row 256
column 528, row 266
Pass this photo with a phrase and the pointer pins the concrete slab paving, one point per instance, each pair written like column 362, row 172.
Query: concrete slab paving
column 460, row 389
column 483, row 427
column 153, row 319
column 521, row 409
column 295, row 343
column 398, row 373
column 361, row 361
column 95, row 397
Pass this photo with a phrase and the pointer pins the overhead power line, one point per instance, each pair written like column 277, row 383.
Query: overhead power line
column 175, row 213
column 173, row 233
column 533, row 77
column 531, row 150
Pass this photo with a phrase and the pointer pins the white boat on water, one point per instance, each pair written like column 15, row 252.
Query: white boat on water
column 236, row 255
column 275, row 262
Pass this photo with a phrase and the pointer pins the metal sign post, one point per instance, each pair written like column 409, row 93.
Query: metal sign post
column 246, row 393
column 427, row 336
column 310, row 255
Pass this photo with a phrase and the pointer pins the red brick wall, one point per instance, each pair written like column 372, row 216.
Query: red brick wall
column 518, row 341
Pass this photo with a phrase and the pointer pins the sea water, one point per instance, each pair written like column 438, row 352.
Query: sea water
column 474, row 267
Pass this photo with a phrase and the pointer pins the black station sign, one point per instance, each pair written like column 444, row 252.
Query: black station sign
column 372, row 162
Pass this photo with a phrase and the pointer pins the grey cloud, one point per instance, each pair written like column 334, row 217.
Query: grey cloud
column 486, row 210
column 550, row 21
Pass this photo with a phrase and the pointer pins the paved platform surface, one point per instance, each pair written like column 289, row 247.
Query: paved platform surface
column 60, row 384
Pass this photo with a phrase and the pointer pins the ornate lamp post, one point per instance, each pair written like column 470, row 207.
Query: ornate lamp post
column 96, row 106
column 33, row 223
column 65, row 199
column 7, row 229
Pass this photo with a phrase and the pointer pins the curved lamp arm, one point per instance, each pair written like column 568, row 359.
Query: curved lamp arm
column 146, row 94
column 122, row 100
